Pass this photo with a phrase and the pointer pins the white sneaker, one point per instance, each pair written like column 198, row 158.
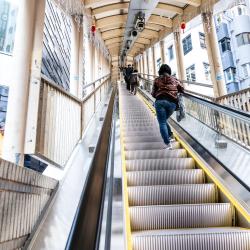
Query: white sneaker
column 172, row 140
column 168, row 146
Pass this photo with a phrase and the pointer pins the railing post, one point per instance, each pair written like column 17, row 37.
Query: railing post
column 94, row 97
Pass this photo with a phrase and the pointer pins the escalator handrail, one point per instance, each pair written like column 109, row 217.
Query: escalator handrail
column 85, row 229
column 233, row 112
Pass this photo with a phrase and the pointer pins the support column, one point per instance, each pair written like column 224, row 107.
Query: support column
column 144, row 63
column 154, row 60
column 27, row 56
column 141, row 61
column 148, row 63
column 74, row 62
column 213, row 54
column 179, row 55
column 80, row 66
column 163, row 52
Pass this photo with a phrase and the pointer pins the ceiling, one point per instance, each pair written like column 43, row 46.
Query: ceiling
column 111, row 18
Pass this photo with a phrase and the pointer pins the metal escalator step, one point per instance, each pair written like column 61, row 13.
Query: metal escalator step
column 140, row 128
column 155, row 133
column 155, row 154
column 149, row 146
column 181, row 216
column 172, row 194
column 193, row 239
column 138, row 139
column 139, row 124
column 165, row 177
column 160, row 164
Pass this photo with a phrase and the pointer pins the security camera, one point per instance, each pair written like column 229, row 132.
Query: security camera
column 134, row 33
column 140, row 22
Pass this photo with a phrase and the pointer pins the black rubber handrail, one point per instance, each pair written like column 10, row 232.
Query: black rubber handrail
column 85, row 229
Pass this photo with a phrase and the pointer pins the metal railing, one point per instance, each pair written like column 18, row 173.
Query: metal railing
column 62, row 118
column 225, row 120
column 239, row 100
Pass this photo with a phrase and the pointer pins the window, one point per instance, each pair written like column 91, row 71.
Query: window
column 174, row 74
column 207, row 71
column 187, row 44
column 190, row 73
column 170, row 53
column 230, row 74
column 246, row 70
column 243, row 38
column 202, row 40
column 158, row 63
column 8, row 14
column 225, row 44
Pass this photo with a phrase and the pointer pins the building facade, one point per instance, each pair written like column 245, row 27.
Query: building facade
column 196, row 63
column 233, row 33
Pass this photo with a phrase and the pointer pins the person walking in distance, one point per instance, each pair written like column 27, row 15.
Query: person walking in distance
column 128, row 72
column 133, row 80
column 165, row 90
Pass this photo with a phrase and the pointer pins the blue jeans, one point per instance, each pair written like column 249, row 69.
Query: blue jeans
column 164, row 109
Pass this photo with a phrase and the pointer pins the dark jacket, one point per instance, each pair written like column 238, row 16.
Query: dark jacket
column 133, row 78
column 167, row 87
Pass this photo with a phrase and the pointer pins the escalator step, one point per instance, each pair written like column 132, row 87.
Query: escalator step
column 155, row 154
column 193, row 239
column 172, row 194
column 138, row 139
column 165, row 177
column 155, row 133
column 181, row 216
column 160, row 164
column 127, row 129
column 149, row 146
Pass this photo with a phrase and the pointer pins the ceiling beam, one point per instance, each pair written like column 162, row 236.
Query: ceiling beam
column 169, row 8
column 139, row 45
column 195, row 3
column 113, row 45
column 114, row 40
column 143, row 40
column 110, row 8
column 108, row 21
column 112, row 33
column 153, row 26
column 149, row 33
column 166, row 22
column 113, row 26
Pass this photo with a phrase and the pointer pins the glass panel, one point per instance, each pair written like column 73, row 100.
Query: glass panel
column 225, row 134
column 8, row 15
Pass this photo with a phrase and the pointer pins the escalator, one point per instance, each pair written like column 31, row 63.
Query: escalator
column 169, row 201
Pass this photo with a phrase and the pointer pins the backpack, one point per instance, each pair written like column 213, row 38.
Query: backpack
column 133, row 79
column 180, row 108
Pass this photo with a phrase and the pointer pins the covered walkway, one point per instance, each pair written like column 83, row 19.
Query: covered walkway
column 83, row 165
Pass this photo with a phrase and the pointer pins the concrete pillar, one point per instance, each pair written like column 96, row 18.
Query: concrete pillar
column 213, row 54
column 148, row 62
column 27, row 56
column 179, row 55
column 141, row 60
column 163, row 52
column 74, row 62
column 154, row 60
column 80, row 66
column 145, row 66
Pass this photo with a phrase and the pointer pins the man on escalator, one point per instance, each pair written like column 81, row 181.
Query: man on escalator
column 165, row 91
column 127, row 74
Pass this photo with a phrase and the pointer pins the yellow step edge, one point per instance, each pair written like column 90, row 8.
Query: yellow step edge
column 124, row 184
column 200, row 163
